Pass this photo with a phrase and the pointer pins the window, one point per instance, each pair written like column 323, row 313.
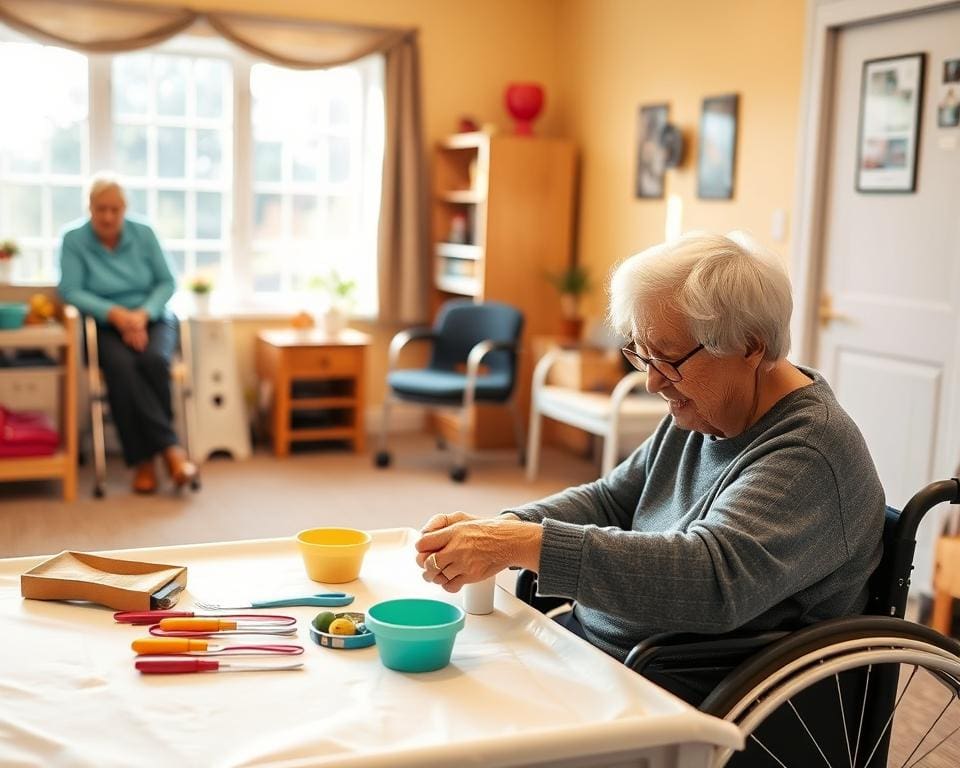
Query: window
column 44, row 152
column 172, row 130
column 264, row 176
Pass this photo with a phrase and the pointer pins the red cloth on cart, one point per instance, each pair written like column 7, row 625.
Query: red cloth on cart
column 26, row 433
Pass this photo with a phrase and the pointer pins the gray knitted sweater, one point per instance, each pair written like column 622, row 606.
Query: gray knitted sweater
column 780, row 524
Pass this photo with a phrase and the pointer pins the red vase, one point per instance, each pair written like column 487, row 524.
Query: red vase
column 524, row 102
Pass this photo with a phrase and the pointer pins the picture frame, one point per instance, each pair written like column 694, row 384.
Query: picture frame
column 651, row 155
column 948, row 106
column 717, row 153
column 891, row 100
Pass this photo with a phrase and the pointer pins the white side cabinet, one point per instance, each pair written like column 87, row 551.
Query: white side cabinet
column 219, row 412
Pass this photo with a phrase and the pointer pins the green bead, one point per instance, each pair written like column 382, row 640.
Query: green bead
column 321, row 621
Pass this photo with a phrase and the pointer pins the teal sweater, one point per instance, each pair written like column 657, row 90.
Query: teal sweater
column 134, row 275
column 779, row 525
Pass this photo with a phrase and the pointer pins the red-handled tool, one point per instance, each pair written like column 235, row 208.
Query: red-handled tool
column 153, row 617
column 182, row 666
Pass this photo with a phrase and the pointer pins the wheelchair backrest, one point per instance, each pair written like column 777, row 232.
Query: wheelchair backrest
column 461, row 324
column 890, row 582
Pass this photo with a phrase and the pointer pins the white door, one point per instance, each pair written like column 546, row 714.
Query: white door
column 891, row 276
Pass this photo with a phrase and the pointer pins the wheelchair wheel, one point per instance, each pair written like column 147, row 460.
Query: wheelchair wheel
column 865, row 702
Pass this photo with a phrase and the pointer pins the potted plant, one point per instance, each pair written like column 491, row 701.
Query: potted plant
column 572, row 284
column 340, row 294
column 8, row 249
column 200, row 285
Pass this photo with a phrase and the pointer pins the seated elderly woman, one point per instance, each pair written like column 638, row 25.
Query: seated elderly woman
column 113, row 269
column 755, row 504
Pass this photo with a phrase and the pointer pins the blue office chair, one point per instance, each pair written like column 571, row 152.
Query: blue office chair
column 464, row 336
column 837, row 692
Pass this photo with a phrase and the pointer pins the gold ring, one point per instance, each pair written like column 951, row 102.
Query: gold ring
column 436, row 563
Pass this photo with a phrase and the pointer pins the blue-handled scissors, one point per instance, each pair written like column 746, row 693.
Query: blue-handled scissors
column 322, row 598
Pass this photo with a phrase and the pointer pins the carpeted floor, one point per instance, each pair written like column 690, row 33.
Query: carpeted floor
column 267, row 497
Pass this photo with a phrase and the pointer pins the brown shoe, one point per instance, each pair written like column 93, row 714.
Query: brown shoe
column 145, row 478
column 181, row 469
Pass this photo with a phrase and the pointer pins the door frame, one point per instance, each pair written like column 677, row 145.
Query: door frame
column 825, row 18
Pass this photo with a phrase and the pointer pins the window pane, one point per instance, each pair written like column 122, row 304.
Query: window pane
column 66, row 149
column 339, row 148
column 208, row 262
column 66, row 206
column 131, row 79
column 32, row 266
column 339, row 111
column 267, row 223
column 306, row 162
column 171, row 78
column 171, row 152
column 171, row 214
column 208, row 154
column 208, row 214
column 22, row 212
column 267, row 161
column 177, row 260
column 338, row 221
column 212, row 82
column 137, row 202
column 130, row 149
column 27, row 159
column 266, row 272
column 306, row 222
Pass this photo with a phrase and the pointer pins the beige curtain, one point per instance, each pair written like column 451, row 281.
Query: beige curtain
column 404, row 259
column 99, row 26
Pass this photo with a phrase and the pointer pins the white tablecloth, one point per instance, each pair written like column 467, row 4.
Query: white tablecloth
column 519, row 689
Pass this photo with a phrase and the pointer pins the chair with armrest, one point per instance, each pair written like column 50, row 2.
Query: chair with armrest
column 473, row 359
column 621, row 412
column 855, row 691
column 180, row 375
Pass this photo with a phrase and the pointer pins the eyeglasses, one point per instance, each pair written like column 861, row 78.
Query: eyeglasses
column 669, row 369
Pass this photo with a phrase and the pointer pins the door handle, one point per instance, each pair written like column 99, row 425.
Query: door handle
column 826, row 313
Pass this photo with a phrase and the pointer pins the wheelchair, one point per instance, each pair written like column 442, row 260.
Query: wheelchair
column 861, row 691
column 182, row 398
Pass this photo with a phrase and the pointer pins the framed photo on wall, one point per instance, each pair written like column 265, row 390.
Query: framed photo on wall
column 718, row 147
column 891, row 94
column 651, row 155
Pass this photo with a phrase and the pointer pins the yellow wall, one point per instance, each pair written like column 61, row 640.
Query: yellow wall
column 619, row 54
column 599, row 60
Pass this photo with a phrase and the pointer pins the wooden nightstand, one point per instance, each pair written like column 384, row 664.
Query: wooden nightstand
column 316, row 385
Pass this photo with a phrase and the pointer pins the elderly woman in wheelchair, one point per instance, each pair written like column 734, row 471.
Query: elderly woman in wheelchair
column 113, row 269
column 754, row 507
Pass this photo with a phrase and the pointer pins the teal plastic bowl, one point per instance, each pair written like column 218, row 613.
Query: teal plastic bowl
column 415, row 635
column 12, row 314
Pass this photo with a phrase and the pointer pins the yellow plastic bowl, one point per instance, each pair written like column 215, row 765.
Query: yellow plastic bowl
column 333, row 555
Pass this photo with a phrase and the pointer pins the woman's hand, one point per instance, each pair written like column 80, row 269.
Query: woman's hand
column 458, row 548
column 125, row 320
column 136, row 339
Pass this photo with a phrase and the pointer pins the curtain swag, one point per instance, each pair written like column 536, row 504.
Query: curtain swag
column 105, row 26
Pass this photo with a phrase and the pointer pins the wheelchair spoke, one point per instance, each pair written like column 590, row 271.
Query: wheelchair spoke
column 764, row 747
column 863, row 711
column 942, row 741
column 812, row 738
column 886, row 726
column 843, row 719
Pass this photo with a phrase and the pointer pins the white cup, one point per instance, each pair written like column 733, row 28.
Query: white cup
column 478, row 597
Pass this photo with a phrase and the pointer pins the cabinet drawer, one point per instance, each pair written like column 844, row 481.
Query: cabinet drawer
column 321, row 361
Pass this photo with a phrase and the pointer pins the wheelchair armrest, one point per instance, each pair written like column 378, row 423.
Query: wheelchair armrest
column 401, row 339
column 526, row 590
column 681, row 650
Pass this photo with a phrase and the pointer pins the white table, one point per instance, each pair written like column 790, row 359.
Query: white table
column 520, row 690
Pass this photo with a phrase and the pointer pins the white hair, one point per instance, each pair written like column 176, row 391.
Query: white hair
column 103, row 182
column 732, row 293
